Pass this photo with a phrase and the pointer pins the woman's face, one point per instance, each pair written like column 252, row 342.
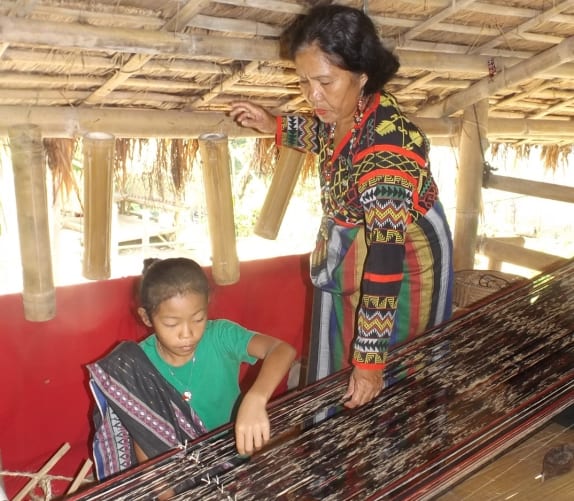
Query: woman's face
column 179, row 323
column 331, row 91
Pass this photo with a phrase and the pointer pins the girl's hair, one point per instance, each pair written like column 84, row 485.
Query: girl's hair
column 165, row 278
column 348, row 37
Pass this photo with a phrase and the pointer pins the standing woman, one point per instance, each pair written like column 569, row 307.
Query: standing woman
column 382, row 265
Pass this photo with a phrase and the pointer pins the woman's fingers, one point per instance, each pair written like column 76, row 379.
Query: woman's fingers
column 364, row 386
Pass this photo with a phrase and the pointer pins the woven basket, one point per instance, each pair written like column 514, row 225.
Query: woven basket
column 472, row 285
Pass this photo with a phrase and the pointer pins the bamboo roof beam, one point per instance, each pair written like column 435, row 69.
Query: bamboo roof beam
column 137, row 123
column 235, row 26
column 271, row 5
column 434, row 20
column 71, row 121
column 466, row 63
column 557, row 55
column 531, row 23
column 103, row 38
column 461, row 49
column 74, row 62
column 137, row 61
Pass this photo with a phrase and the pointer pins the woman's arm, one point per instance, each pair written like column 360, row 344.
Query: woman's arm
column 252, row 429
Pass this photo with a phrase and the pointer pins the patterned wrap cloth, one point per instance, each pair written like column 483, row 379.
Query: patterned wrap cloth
column 135, row 402
column 382, row 265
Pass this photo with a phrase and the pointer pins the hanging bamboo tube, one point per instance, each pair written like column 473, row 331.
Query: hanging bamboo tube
column 289, row 164
column 217, row 183
column 33, row 223
column 98, row 195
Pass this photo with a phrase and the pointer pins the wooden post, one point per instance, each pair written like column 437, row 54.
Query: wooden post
column 98, row 195
column 289, row 166
column 215, row 163
column 33, row 222
column 469, row 184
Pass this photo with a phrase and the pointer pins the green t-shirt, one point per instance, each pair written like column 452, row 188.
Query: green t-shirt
column 212, row 376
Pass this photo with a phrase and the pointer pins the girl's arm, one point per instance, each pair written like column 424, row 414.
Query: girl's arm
column 252, row 429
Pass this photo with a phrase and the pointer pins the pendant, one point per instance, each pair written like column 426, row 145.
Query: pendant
column 187, row 396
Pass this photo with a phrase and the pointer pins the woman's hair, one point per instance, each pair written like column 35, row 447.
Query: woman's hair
column 350, row 40
column 165, row 278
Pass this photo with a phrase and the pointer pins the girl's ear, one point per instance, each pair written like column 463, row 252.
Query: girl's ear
column 144, row 317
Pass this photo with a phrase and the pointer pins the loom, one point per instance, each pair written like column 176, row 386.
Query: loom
column 455, row 398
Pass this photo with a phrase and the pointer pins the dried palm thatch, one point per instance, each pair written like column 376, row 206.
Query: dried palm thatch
column 264, row 158
column 183, row 153
column 59, row 158
column 554, row 155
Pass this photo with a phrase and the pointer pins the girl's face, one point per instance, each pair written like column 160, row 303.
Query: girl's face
column 179, row 323
column 331, row 91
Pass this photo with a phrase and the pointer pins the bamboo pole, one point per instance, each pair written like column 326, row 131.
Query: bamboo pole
column 289, row 166
column 139, row 123
column 549, row 191
column 469, row 184
column 98, row 195
column 33, row 222
column 510, row 253
column 214, row 151
column 494, row 261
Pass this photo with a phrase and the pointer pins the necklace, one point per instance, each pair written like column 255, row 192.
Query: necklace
column 184, row 372
column 186, row 394
column 328, row 170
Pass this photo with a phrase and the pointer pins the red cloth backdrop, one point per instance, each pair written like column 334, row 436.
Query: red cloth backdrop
column 45, row 401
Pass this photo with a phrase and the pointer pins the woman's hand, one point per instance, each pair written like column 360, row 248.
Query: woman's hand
column 252, row 115
column 252, row 428
column 364, row 386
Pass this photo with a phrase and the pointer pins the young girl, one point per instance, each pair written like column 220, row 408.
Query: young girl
column 182, row 380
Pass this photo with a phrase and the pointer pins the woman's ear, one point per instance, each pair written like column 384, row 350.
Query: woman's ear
column 363, row 79
column 144, row 317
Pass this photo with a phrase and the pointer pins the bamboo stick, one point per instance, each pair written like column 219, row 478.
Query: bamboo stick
column 469, row 184
column 289, row 166
column 33, row 222
column 531, row 188
column 494, row 262
column 42, row 472
column 217, row 183
column 98, row 194
column 84, row 470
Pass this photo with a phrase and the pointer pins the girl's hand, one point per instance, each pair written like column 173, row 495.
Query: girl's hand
column 252, row 115
column 364, row 386
column 252, row 428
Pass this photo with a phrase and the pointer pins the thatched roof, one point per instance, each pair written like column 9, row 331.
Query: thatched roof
column 170, row 68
